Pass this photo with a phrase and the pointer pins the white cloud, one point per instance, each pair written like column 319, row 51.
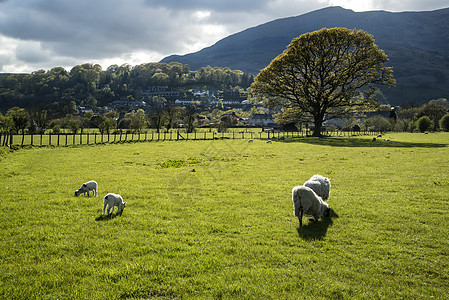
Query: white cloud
column 41, row 34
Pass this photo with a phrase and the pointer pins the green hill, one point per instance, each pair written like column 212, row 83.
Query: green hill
column 417, row 44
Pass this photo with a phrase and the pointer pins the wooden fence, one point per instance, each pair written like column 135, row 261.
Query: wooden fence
column 66, row 139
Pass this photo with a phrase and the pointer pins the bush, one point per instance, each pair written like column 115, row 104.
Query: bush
column 56, row 129
column 378, row 123
column 444, row 122
column 424, row 123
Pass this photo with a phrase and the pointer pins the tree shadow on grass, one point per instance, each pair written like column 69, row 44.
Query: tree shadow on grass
column 360, row 142
column 316, row 230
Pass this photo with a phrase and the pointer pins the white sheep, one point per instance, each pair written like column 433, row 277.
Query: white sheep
column 320, row 185
column 269, row 142
column 111, row 200
column 306, row 201
column 86, row 188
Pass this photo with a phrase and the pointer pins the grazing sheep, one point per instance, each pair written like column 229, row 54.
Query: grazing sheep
column 281, row 138
column 111, row 200
column 305, row 201
column 374, row 139
column 86, row 188
column 320, row 185
column 379, row 136
column 250, row 141
column 269, row 142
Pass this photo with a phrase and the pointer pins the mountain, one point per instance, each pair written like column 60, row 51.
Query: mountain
column 417, row 44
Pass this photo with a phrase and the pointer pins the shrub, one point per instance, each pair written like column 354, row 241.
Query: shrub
column 378, row 123
column 444, row 122
column 56, row 129
column 424, row 123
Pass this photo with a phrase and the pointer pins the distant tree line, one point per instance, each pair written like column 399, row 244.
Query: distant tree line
column 432, row 116
column 89, row 85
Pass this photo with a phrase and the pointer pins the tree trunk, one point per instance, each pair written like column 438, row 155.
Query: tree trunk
column 318, row 124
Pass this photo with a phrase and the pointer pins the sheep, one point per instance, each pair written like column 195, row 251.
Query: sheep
column 379, row 136
column 306, row 201
column 111, row 200
column 250, row 140
column 269, row 142
column 320, row 185
column 374, row 139
column 86, row 188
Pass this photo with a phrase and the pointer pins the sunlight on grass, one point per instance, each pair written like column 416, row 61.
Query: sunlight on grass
column 214, row 219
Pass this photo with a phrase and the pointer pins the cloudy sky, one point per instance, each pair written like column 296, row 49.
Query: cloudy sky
column 42, row 34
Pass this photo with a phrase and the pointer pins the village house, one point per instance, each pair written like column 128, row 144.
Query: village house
column 262, row 120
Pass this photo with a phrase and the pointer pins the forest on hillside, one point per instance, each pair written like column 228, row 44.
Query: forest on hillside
column 90, row 85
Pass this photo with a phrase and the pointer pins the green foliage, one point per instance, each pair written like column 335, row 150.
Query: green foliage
column 434, row 110
column 322, row 74
column 56, row 129
column 226, row 230
column 89, row 85
column 424, row 123
column 20, row 119
column 444, row 122
column 106, row 126
column 378, row 123
column 73, row 125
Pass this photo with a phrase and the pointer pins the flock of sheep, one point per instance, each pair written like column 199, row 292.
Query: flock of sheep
column 307, row 199
column 110, row 200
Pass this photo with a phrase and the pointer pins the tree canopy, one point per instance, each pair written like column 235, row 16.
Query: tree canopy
column 88, row 84
column 325, row 74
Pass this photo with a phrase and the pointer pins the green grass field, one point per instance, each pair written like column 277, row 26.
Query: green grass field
column 226, row 229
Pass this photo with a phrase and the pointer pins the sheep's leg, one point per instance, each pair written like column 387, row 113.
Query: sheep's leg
column 104, row 207
column 300, row 218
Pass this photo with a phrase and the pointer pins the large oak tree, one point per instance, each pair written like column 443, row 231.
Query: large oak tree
column 325, row 74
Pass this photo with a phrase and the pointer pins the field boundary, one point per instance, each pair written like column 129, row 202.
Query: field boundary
column 78, row 139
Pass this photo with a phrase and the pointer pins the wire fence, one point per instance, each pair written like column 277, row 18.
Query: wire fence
column 70, row 139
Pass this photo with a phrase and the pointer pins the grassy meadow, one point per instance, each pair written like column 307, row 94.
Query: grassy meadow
column 214, row 219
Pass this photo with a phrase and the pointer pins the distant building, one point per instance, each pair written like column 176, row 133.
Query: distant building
column 263, row 120
column 161, row 91
column 128, row 103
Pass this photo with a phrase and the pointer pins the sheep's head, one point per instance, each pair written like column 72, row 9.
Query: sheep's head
column 77, row 193
column 327, row 212
column 124, row 204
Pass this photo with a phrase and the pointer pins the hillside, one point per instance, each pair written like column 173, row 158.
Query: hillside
column 417, row 44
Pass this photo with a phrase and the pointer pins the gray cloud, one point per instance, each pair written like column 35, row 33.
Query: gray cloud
column 48, row 33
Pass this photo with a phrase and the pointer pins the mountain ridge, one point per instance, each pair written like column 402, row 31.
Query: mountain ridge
column 417, row 44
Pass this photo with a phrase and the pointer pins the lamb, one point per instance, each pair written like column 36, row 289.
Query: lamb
column 306, row 201
column 320, row 185
column 86, row 188
column 111, row 200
